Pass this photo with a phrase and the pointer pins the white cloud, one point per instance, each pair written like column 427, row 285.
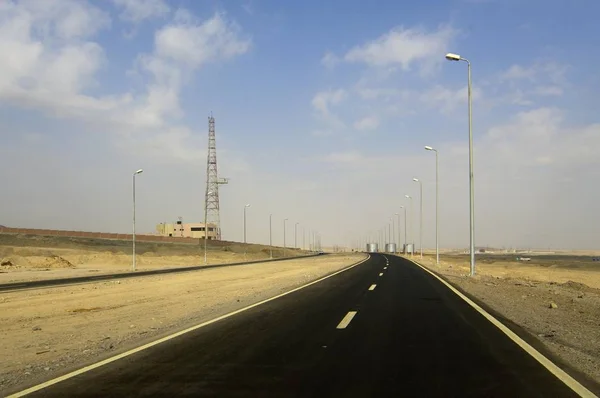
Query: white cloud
column 371, row 93
column 516, row 72
column 539, row 71
column 48, row 62
column 539, row 136
column 447, row 100
column 524, row 85
column 330, row 60
column 62, row 19
column 548, row 91
column 196, row 44
column 44, row 57
column 140, row 10
column 405, row 47
column 322, row 102
column 367, row 123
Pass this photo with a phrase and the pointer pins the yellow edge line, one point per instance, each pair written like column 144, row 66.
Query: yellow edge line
column 548, row 364
column 172, row 336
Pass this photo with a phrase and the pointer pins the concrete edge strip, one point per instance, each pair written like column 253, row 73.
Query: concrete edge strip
column 545, row 362
column 174, row 335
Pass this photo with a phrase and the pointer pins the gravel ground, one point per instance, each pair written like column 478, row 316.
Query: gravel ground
column 563, row 316
column 47, row 332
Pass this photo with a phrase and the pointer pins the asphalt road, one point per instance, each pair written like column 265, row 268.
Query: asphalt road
column 8, row 287
column 410, row 336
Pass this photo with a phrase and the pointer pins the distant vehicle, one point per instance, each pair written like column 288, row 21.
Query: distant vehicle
column 523, row 258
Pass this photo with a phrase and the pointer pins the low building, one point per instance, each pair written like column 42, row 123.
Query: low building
column 186, row 230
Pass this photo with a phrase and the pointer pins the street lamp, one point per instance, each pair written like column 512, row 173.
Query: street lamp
column 245, row 207
column 270, row 237
column 437, row 202
column 284, row 236
column 420, row 215
column 412, row 227
column 296, row 235
column 205, row 224
column 456, row 57
column 133, row 235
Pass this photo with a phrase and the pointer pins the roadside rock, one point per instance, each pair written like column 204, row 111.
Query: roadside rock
column 552, row 305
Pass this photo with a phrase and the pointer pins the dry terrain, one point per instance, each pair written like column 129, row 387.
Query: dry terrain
column 556, row 298
column 31, row 257
column 48, row 331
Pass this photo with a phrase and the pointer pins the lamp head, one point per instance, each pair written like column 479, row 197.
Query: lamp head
column 428, row 148
column 139, row 171
column 415, row 179
column 452, row 57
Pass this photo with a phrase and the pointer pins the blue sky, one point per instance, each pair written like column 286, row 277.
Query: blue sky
column 322, row 111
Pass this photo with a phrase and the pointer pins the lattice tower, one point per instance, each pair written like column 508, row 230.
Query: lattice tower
column 213, row 181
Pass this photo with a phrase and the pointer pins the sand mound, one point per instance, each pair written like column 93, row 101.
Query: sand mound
column 575, row 285
column 14, row 262
column 56, row 262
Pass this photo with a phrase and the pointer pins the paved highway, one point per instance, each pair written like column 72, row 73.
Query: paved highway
column 8, row 287
column 383, row 328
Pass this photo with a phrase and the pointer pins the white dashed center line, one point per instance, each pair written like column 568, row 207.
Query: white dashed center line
column 384, row 267
column 372, row 287
column 346, row 321
column 381, row 274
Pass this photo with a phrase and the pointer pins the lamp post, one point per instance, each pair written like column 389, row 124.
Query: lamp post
column 405, row 235
column 270, row 236
column 284, row 236
column 437, row 197
column 399, row 232
column 245, row 207
column 456, row 57
column 133, row 235
column 390, row 239
column 412, row 227
column 205, row 225
column 420, row 215
column 296, row 235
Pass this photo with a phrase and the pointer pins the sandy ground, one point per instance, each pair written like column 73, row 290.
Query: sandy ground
column 556, row 300
column 28, row 258
column 46, row 332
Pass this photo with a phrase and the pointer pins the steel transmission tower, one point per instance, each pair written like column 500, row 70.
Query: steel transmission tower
column 211, row 199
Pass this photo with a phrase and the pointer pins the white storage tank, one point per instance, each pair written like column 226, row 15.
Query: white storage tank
column 409, row 248
column 372, row 248
column 390, row 248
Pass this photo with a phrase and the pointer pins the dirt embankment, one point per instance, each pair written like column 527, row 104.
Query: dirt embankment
column 45, row 332
column 559, row 304
column 28, row 257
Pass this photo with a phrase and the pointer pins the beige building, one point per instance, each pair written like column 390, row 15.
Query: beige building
column 186, row 230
